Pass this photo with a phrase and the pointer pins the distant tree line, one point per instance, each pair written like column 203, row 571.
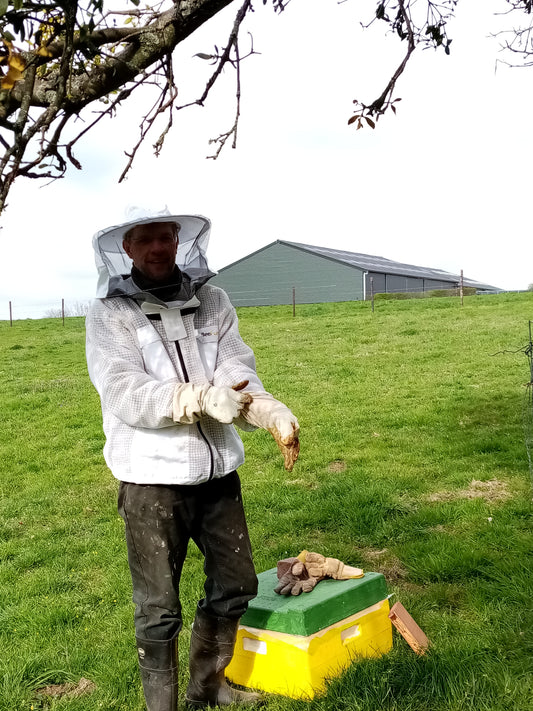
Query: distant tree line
column 78, row 308
column 434, row 293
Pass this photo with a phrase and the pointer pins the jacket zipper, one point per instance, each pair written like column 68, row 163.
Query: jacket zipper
column 200, row 430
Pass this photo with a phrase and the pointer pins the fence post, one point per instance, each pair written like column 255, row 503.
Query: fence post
column 372, row 292
column 10, row 314
column 293, row 302
column 461, row 287
column 63, row 310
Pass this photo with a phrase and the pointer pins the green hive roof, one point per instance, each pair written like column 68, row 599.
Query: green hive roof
column 329, row 602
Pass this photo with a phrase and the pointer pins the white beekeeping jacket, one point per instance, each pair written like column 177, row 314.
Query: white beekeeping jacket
column 139, row 348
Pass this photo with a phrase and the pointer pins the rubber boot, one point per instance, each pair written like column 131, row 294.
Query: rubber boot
column 158, row 664
column 212, row 643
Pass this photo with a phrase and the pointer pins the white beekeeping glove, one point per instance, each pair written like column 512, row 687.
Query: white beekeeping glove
column 192, row 401
column 272, row 415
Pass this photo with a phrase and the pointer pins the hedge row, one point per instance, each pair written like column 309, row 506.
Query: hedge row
column 467, row 291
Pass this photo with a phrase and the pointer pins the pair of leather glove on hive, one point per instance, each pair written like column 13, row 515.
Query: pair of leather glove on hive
column 303, row 572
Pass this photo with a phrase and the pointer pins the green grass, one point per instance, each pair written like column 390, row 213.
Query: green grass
column 413, row 463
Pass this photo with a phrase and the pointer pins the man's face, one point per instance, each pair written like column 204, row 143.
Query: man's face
column 153, row 248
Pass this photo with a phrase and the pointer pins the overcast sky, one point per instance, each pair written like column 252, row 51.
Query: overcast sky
column 445, row 183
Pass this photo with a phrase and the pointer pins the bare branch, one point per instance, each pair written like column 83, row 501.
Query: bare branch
column 71, row 69
column 222, row 59
column 430, row 31
column 162, row 105
column 224, row 137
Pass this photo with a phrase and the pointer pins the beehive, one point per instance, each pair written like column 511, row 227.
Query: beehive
column 292, row 645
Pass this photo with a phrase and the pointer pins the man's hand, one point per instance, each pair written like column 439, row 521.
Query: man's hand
column 293, row 577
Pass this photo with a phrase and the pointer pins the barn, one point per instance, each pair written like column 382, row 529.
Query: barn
column 282, row 270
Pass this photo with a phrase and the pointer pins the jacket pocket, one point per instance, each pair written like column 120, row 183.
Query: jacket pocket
column 157, row 362
column 207, row 340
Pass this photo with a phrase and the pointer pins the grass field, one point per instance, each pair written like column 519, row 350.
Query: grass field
column 413, row 464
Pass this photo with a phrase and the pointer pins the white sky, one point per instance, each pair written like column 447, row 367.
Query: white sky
column 445, row 183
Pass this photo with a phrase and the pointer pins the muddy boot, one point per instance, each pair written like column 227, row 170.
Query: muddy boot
column 158, row 664
column 212, row 643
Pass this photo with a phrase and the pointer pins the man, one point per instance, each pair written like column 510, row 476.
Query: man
column 174, row 376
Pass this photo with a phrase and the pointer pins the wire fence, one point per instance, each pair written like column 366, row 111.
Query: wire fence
column 64, row 308
column 59, row 308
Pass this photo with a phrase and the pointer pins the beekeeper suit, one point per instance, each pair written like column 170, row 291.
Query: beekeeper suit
column 174, row 376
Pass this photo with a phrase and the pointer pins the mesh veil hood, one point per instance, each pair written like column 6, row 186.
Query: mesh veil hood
column 114, row 265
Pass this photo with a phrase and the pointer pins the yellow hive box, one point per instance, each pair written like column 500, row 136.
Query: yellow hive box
column 298, row 666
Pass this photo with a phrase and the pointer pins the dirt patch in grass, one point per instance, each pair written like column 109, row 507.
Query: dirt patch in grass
column 386, row 563
column 337, row 466
column 304, row 483
column 492, row 490
column 70, row 689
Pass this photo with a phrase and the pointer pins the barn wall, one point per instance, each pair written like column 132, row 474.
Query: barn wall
column 375, row 284
column 438, row 284
column 267, row 277
column 396, row 282
column 391, row 283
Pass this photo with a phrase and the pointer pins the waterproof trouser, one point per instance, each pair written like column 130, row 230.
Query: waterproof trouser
column 160, row 521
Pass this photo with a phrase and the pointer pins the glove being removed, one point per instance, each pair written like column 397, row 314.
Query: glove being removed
column 288, row 445
column 272, row 415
